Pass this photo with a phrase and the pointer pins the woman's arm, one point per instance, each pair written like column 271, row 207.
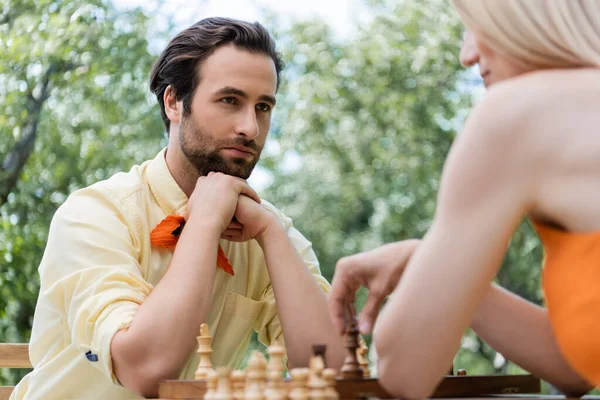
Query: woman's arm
column 488, row 186
column 521, row 332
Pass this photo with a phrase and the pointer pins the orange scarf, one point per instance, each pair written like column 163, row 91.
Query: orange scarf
column 166, row 234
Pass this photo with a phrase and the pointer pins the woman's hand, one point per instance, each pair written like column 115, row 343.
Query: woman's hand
column 378, row 270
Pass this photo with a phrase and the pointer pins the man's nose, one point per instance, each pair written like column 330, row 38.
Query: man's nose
column 469, row 55
column 248, row 125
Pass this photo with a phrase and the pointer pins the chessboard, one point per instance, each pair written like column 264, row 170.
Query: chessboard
column 263, row 379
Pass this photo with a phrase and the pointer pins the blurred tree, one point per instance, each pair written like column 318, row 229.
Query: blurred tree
column 362, row 135
column 73, row 90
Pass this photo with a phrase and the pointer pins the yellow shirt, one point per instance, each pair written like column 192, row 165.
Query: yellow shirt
column 99, row 266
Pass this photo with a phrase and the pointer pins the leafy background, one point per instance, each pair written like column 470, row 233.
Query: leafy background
column 362, row 128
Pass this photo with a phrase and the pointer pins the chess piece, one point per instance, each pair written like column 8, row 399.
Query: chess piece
column 316, row 383
column 276, row 353
column 274, row 386
column 238, row 384
column 275, row 368
column 320, row 350
column 315, row 365
column 211, row 384
column 351, row 369
column 299, row 389
column 255, row 377
column 331, row 393
column 363, row 361
column 223, row 391
column 205, row 350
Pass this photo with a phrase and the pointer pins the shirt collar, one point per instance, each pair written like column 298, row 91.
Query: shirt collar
column 168, row 194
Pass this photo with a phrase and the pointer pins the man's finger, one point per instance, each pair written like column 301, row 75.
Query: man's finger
column 235, row 225
column 232, row 232
column 248, row 191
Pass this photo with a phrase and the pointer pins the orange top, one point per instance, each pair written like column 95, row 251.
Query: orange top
column 571, row 282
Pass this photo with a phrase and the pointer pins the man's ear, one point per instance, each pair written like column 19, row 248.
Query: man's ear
column 172, row 106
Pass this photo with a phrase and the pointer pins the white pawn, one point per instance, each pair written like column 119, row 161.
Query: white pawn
column 211, row 384
column 276, row 353
column 274, row 388
column 275, row 368
column 331, row 393
column 316, row 382
column 205, row 350
column 238, row 384
column 224, row 385
column 299, row 389
column 255, row 376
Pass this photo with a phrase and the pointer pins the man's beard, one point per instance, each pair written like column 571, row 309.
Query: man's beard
column 202, row 151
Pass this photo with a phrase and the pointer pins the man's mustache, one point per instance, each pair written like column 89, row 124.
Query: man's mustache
column 249, row 143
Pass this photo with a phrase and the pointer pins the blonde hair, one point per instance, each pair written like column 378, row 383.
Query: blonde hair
column 542, row 33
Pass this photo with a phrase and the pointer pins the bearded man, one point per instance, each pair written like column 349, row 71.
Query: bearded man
column 135, row 264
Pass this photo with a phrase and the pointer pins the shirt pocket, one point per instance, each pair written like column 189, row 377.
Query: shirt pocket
column 234, row 330
column 242, row 307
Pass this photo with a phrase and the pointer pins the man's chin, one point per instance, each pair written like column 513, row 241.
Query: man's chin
column 240, row 168
column 239, row 172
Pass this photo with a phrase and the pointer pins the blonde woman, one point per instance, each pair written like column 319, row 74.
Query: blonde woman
column 531, row 149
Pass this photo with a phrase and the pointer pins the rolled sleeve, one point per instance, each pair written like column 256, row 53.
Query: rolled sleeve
column 117, row 316
column 94, row 321
column 91, row 272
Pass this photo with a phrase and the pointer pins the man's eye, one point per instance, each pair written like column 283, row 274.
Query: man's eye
column 263, row 107
column 228, row 100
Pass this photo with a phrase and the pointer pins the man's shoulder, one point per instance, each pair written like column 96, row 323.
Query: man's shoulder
column 115, row 194
column 124, row 184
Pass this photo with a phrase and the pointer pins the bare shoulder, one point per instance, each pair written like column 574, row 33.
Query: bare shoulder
column 535, row 105
column 545, row 91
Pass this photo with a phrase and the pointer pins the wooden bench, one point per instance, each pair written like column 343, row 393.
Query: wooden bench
column 13, row 355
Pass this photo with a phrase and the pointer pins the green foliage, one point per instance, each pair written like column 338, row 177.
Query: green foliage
column 97, row 120
column 372, row 120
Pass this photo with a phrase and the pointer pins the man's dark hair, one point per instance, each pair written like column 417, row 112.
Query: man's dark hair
column 179, row 63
